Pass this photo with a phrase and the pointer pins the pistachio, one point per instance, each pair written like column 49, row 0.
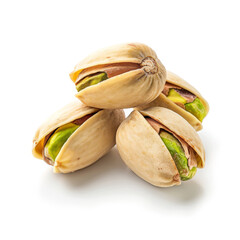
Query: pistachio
column 160, row 146
column 197, row 109
column 184, row 99
column 76, row 136
column 58, row 138
column 178, row 155
column 91, row 80
column 105, row 78
column 174, row 96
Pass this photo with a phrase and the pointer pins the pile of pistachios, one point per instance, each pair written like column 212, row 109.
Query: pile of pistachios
column 157, row 141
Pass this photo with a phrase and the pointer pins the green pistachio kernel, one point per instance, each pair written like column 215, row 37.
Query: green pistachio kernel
column 174, row 96
column 178, row 155
column 91, row 80
column 197, row 109
column 58, row 138
column 190, row 175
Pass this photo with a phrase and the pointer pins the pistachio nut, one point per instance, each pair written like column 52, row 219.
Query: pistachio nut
column 160, row 146
column 179, row 96
column 76, row 136
column 120, row 76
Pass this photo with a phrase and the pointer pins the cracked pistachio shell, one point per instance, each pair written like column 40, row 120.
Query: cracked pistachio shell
column 129, row 89
column 163, row 101
column 94, row 138
column 143, row 150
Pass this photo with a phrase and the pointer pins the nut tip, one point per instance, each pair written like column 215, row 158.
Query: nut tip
column 149, row 65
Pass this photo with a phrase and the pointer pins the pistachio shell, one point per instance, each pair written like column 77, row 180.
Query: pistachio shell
column 134, row 87
column 94, row 138
column 143, row 151
column 163, row 101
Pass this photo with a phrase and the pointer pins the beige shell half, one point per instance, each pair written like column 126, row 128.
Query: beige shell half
column 129, row 89
column 163, row 101
column 143, row 151
column 94, row 138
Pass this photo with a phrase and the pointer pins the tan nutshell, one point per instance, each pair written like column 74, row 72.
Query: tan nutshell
column 143, row 151
column 92, row 139
column 135, row 76
column 163, row 101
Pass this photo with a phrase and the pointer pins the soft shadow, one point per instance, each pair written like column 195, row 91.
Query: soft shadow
column 95, row 172
column 185, row 193
column 92, row 180
column 209, row 142
column 108, row 180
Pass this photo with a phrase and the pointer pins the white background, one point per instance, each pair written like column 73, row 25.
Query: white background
column 40, row 43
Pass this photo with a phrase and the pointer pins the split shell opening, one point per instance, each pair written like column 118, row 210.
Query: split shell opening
column 89, row 142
